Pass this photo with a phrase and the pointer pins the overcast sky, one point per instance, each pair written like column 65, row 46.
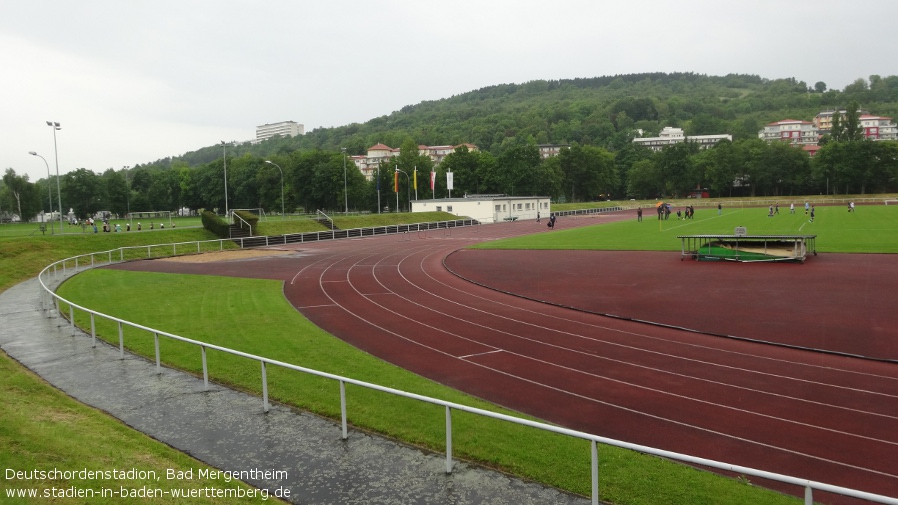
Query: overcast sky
column 134, row 81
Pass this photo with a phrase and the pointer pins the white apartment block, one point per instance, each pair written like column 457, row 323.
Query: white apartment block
column 670, row 135
column 380, row 154
column 793, row 131
column 284, row 129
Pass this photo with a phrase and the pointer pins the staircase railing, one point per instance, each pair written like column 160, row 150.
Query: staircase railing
column 322, row 216
column 243, row 221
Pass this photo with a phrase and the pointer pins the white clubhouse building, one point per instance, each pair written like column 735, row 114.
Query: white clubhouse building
column 488, row 208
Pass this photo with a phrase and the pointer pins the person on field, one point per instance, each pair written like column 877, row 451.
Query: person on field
column 792, row 208
column 639, row 214
column 719, row 208
column 537, row 216
column 812, row 215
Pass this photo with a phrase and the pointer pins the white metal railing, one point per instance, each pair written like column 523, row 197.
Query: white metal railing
column 243, row 221
column 49, row 298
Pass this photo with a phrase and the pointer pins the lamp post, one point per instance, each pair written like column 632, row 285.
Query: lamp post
column 224, row 155
column 408, row 192
column 282, row 185
column 345, row 194
column 55, row 126
column 49, row 189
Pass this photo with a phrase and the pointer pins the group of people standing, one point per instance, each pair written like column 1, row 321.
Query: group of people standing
column 687, row 213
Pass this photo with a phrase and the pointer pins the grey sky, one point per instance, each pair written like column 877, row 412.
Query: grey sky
column 132, row 81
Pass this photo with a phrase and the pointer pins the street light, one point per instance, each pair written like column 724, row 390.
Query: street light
column 49, row 189
column 128, row 187
column 408, row 192
column 345, row 194
column 224, row 149
column 282, row 185
column 55, row 126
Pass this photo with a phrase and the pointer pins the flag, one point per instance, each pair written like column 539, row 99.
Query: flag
column 449, row 181
column 433, row 179
column 416, row 179
column 396, row 181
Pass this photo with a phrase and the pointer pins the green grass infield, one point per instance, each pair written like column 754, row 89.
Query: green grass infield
column 869, row 229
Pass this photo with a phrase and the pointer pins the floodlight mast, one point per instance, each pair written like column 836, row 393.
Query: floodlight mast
column 55, row 125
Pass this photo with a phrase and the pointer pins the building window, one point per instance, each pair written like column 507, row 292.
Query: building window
column 439, row 208
column 448, row 208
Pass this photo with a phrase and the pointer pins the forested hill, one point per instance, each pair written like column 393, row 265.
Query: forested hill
column 600, row 111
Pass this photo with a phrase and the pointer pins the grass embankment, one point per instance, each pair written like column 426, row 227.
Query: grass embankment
column 251, row 315
column 41, row 428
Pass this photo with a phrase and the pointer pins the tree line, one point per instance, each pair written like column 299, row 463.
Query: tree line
column 328, row 180
column 596, row 117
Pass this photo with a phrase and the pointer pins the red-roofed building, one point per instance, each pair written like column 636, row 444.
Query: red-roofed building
column 379, row 154
column 878, row 127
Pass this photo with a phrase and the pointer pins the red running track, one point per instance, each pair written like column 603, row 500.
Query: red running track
column 813, row 415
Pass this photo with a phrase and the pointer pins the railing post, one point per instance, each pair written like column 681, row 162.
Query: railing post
column 121, row 341
column 149, row 254
column 595, row 472
column 448, row 439
column 264, row 388
column 808, row 495
column 343, row 409
column 158, row 356
column 93, row 331
column 72, row 318
column 205, row 370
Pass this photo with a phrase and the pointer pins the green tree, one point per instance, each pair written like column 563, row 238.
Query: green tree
column 83, row 192
column 117, row 197
column 589, row 173
column 21, row 195
column 470, row 173
column 677, row 169
column 644, row 180
column 516, row 171
column 718, row 166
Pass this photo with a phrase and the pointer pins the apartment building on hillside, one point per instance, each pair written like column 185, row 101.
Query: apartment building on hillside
column 380, row 154
column 284, row 129
column 670, row 136
column 794, row 131
column 878, row 127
